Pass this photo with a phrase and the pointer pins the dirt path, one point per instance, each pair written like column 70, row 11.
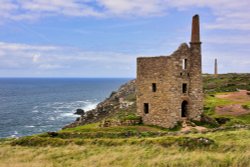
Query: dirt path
column 241, row 96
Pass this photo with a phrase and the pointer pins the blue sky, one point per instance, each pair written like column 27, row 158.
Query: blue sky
column 102, row 38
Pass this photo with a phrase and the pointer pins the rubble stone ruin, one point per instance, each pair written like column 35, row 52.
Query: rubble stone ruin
column 169, row 88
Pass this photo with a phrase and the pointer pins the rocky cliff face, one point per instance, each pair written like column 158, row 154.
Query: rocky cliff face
column 123, row 98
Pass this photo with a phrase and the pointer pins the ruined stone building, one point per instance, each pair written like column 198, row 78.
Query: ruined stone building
column 169, row 88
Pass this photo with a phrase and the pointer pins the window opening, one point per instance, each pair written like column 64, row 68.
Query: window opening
column 146, row 108
column 184, row 88
column 184, row 64
column 154, row 87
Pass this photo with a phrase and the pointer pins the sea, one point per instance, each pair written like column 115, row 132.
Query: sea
column 35, row 105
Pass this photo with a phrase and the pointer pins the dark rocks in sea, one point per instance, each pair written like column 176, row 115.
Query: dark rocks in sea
column 79, row 112
column 106, row 108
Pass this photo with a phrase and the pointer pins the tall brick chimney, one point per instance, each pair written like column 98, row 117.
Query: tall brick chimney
column 195, row 37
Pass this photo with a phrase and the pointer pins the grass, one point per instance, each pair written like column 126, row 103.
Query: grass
column 211, row 102
column 231, row 148
column 116, row 129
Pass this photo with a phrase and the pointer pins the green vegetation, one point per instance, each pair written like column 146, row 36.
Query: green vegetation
column 166, row 141
column 246, row 106
column 226, row 82
column 211, row 102
column 115, row 129
column 140, row 145
column 130, row 97
column 225, row 148
column 126, row 115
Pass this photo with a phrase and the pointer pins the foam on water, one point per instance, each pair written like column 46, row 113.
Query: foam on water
column 29, row 126
column 40, row 105
column 90, row 106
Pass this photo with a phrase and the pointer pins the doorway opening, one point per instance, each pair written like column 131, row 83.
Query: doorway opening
column 184, row 109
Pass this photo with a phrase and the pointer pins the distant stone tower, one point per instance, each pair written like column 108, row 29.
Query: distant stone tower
column 215, row 68
column 169, row 88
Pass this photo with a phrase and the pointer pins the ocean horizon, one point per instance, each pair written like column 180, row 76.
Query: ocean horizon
column 31, row 105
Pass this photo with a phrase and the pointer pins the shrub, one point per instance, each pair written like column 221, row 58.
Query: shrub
column 39, row 141
column 206, row 121
column 245, row 106
column 193, row 143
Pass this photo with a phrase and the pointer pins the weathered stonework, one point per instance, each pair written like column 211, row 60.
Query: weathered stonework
column 169, row 88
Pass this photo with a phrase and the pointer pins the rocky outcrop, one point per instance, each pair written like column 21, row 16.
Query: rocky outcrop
column 79, row 112
column 106, row 108
column 111, row 123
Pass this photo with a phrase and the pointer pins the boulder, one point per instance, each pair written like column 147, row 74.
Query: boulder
column 222, row 120
column 79, row 112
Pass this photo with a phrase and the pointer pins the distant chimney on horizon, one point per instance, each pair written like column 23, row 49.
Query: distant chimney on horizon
column 215, row 68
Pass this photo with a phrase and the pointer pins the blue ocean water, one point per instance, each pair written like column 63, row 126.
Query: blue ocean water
column 34, row 105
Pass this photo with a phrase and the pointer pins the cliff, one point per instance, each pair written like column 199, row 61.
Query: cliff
column 122, row 99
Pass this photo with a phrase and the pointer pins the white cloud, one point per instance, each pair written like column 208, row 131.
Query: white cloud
column 35, row 58
column 50, row 66
column 77, row 62
column 24, row 47
column 135, row 7
column 39, row 59
column 230, row 14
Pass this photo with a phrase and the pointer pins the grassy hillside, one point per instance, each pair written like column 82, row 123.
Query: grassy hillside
column 226, row 82
column 225, row 142
column 230, row 148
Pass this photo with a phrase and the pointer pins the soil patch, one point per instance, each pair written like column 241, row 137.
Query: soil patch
column 239, row 97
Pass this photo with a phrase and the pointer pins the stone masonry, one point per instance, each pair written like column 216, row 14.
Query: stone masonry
column 169, row 88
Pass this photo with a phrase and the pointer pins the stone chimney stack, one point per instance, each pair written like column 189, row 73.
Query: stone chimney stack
column 215, row 68
column 195, row 44
column 195, row 87
column 195, row 37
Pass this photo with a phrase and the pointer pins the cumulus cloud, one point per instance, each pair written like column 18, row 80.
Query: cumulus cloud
column 230, row 14
column 135, row 7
